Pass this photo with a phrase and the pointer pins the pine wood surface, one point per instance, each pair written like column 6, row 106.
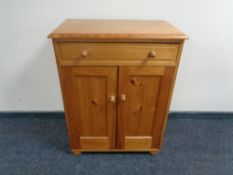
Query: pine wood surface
column 116, row 29
column 117, row 91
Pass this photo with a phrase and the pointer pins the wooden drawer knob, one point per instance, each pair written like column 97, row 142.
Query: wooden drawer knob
column 112, row 98
column 123, row 97
column 84, row 53
column 152, row 54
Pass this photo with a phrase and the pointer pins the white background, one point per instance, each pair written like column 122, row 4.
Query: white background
column 28, row 75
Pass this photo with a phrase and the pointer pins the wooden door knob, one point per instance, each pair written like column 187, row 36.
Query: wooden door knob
column 84, row 53
column 112, row 98
column 152, row 54
column 123, row 97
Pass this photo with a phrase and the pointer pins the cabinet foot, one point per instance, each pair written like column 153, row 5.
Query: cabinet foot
column 154, row 152
column 76, row 152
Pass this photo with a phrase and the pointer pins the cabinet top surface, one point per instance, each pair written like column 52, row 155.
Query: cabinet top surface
column 116, row 29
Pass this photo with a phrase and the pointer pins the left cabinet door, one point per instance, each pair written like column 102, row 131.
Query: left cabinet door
column 89, row 99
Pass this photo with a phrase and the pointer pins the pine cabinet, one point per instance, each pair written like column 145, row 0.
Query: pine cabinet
column 116, row 78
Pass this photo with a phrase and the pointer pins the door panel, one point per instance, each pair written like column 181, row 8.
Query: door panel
column 91, row 114
column 141, row 114
column 141, row 102
column 92, row 93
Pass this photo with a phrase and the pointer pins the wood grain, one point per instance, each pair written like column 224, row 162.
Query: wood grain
column 100, row 62
column 117, row 51
column 170, row 94
column 116, row 29
column 73, row 141
column 100, row 143
column 145, row 89
column 138, row 142
column 87, row 92
column 160, row 113
column 116, row 96
column 79, row 151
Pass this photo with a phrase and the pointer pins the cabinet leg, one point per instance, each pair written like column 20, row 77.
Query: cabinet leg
column 154, row 152
column 76, row 152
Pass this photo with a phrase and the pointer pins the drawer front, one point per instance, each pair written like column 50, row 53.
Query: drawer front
column 117, row 51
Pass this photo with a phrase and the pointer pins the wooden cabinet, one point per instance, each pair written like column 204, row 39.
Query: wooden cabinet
column 116, row 82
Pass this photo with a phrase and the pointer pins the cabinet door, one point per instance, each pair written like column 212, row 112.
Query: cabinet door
column 89, row 96
column 144, row 93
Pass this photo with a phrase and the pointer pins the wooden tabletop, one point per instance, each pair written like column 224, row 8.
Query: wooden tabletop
column 116, row 29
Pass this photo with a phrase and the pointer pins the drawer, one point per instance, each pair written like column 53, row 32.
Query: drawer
column 116, row 51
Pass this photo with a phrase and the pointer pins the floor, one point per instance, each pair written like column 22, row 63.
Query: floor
column 197, row 145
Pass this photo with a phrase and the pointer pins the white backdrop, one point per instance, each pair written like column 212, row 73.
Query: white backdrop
column 28, row 75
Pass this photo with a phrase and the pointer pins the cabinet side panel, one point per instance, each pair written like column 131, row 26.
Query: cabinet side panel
column 74, row 142
column 161, row 108
column 179, row 53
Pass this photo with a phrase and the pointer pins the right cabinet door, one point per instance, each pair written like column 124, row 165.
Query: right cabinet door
column 144, row 93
